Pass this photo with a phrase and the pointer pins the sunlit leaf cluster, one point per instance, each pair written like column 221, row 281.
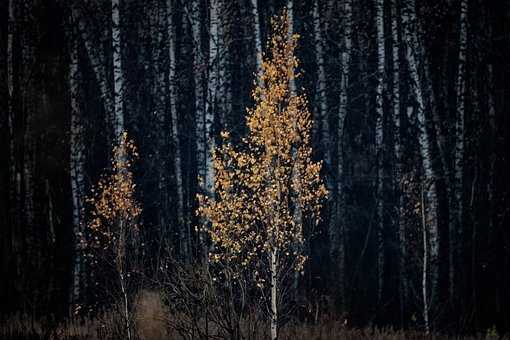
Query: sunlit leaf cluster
column 260, row 184
column 113, row 204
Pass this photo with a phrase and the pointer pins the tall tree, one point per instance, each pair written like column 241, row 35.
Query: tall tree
column 253, row 218
column 76, row 159
column 257, row 36
column 118, row 74
column 184, row 233
column 379, row 138
column 337, row 230
column 424, row 139
column 398, row 156
column 456, row 196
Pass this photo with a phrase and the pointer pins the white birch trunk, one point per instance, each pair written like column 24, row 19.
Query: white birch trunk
column 258, row 40
column 118, row 76
column 274, row 295
column 97, row 62
column 425, row 267
column 321, row 97
column 397, row 154
column 456, row 208
column 379, row 137
column 290, row 18
column 338, row 231
column 409, row 17
column 172, row 92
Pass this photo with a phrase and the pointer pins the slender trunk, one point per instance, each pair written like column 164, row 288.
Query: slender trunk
column 274, row 296
column 76, row 160
column 456, row 207
column 411, row 41
column 492, row 148
column 337, row 232
column 258, row 40
column 425, row 263
column 290, row 18
column 13, row 194
column 172, row 93
column 379, row 137
column 397, row 151
column 97, row 62
column 121, row 269
column 28, row 97
column 118, row 76
column 321, row 97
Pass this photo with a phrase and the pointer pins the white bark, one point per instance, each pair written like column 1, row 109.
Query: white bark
column 172, row 92
column 97, row 62
column 321, row 97
column 411, row 42
column 456, row 208
column 338, row 231
column 212, row 92
column 118, row 76
column 397, row 151
column 425, row 267
column 258, row 40
column 379, row 135
column 274, row 295
column 290, row 18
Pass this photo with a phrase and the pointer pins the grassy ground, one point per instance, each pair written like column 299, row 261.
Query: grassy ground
column 107, row 327
column 152, row 320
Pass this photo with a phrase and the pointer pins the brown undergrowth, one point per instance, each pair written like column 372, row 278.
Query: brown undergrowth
column 152, row 321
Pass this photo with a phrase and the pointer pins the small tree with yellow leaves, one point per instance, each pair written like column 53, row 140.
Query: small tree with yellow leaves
column 251, row 220
column 113, row 218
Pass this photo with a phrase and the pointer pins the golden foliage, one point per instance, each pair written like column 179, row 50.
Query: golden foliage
column 114, row 206
column 260, row 184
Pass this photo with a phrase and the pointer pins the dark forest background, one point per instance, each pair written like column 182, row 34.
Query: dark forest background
column 410, row 113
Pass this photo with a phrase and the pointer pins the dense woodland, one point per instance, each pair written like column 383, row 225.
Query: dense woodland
column 408, row 104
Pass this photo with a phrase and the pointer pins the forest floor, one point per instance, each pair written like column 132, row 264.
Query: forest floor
column 151, row 329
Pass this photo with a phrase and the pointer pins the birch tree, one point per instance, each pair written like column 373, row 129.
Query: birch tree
column 113, row 223
column 321, row 96
column 77, row 159
column 456, row 203
column 337, row 231
column 398, row 155
column 118, row 75
column 258, row 39
column 379, row 137
column 97, row 60
column 424, row 139
column 184, row 233
column 252, row 219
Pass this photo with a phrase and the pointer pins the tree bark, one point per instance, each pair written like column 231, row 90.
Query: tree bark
column 183, row 233
column 397, row 155
column 456, row 206
column 411, row 42
column 337, row 232
column 76, row 159
column 258, row 40
column 274, row 295
column 379, row 137
column 321, row 96
column 118, row 75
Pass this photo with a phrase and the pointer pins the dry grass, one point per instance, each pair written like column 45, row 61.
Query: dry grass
column 152, row 322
